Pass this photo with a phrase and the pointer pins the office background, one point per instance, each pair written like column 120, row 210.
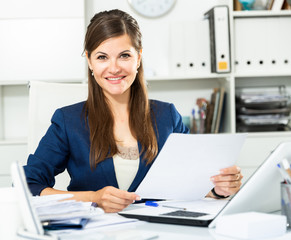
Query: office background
column 43, row 40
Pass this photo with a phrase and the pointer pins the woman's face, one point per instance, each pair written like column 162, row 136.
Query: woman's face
column 114, row 63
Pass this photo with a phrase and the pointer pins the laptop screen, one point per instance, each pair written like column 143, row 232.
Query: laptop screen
column 261, row 192
column 30, row 219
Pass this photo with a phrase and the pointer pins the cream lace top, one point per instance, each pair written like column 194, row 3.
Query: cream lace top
column 126, row 164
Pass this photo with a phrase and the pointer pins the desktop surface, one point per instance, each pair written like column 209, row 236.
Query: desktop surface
column 145, row 230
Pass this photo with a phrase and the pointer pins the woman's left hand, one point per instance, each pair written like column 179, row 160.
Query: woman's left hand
column 228, row 182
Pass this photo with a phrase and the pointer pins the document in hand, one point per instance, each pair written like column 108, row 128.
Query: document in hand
column 183, row 168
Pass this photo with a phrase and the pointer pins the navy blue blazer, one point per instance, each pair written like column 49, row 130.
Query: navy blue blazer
column 66, row 145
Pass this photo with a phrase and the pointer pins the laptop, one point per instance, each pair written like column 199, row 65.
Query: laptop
column 260, row 193
column 32, row 228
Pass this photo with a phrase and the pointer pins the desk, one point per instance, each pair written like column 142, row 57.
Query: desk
column 135, row 231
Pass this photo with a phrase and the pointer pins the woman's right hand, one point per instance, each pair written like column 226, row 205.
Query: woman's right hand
column 112, row 199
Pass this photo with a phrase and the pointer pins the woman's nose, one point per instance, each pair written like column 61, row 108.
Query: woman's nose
column 114, row 67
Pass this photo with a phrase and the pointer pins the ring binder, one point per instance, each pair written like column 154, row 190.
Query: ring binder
column 219, row 39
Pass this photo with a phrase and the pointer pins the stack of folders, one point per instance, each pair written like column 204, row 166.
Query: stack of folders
column 262, row 109
column 57, row 213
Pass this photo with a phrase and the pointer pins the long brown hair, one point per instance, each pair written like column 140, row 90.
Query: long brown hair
column 105, row 25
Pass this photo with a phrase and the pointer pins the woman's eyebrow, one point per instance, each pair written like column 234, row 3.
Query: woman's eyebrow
column 103, row 53
column 125, row 51
column 100, row 53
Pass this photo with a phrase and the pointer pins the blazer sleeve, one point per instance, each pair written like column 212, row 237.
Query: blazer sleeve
column 50, row 157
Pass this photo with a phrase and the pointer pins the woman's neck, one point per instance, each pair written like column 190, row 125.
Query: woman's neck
column 119, row 104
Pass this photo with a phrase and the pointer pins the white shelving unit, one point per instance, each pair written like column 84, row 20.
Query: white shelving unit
column 183, row 89
column 13, row 109
column 180, row 88
column 262, row 58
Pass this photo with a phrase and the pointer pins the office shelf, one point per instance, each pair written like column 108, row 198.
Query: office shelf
column 262, row 74
column 19, row 82
column 285, row 134
column 189, row 77
column 20, row 141
column 262, row 13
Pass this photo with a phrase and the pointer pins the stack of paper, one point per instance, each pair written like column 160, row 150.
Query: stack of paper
column 57, row 213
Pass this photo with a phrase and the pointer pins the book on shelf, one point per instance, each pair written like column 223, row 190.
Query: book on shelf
column 275, row 5
column 287, row 5
column 269, row 4
column 215, row 111
column 237, row 5
column 220, row 127
column 220, row 109
column 209, row 112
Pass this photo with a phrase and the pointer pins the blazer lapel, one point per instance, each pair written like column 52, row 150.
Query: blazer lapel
column 109, row 172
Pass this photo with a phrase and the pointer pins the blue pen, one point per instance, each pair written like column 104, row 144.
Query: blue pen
column 154, row 204
column 151, row 203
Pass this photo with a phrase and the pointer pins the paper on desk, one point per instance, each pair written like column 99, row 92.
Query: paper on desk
column 185, row 164
column 55, row 207
column 49, row 199
column 101, row 223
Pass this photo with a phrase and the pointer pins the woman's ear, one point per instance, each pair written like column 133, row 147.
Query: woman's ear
column 88, row 60
column 139, row 57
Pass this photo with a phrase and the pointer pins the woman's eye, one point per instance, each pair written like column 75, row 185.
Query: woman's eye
column 125, row 55
column 101, row 57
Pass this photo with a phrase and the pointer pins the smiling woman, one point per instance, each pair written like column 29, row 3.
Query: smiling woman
column 113, row 48
column 109, row 142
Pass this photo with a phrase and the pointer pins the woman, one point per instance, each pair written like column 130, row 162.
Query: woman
column 109, row 142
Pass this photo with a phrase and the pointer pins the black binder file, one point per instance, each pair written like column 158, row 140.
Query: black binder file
column 219, row 39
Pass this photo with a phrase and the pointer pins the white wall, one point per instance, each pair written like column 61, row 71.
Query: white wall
column 42, row 40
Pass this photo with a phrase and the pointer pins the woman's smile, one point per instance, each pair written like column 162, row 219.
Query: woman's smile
column 115, row 80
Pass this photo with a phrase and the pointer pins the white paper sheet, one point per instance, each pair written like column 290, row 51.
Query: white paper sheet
column 185, row 164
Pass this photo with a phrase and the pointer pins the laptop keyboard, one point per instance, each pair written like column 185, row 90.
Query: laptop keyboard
column 181, row 213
